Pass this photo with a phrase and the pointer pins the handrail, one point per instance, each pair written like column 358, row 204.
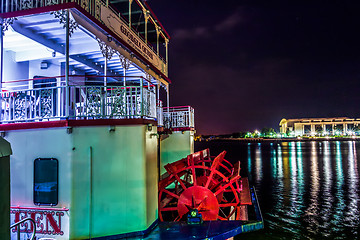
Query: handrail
column 88, row 101
column 72, row 76
column 179, row 117
column 18, row 229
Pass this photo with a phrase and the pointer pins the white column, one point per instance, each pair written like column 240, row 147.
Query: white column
column 1, row 56
column 167, row 97
column 167, row 54
column 157, row 39
column 1, row 64
column 105, row 69
column 345, row 128
column 146, row 14
column 67, row 54
column 158, row 92
column 312, row 127
column 130, row 2
column 303, row 130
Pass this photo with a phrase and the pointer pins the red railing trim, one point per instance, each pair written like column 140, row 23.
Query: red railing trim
column 75, row 123
column 178, row 107
column 70, row 76
column 40, row 208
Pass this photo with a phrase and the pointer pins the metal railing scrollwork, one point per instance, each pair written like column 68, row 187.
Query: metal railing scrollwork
column 22, row 222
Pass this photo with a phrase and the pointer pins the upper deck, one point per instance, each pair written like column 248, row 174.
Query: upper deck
column 84, row 59
column 130, row 23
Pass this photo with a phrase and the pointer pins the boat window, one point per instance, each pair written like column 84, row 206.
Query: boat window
column 46, row 181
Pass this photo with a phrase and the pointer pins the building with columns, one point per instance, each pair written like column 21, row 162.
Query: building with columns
column 319, row 126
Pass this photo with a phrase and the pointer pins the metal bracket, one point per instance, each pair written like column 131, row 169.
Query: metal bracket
column 61, row 15
column 5, row 23
column 106, row 50
column 69, row 130
column 125, row 63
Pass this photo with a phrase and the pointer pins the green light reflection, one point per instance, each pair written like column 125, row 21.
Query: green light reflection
column 258, row 164
column 249, row 162
column 300, row 179
column 313, row 208
column 352, row 215
column 340, row 203
column 273, row 160
column 328, row 199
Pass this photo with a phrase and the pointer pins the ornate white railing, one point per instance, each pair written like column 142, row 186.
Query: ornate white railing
column 85, row 102
column 113, row 102
column 179, row 117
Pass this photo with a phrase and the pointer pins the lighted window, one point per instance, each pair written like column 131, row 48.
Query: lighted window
column 46, row 181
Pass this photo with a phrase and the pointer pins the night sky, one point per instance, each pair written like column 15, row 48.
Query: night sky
column 245, row 65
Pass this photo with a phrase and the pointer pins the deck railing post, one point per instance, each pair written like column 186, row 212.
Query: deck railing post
column 1, row 64
column 67, row 55
column 142, row 97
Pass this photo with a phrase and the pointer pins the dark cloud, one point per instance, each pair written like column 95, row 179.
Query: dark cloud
column 195, row 33
column 203, row 32
column 230, row 22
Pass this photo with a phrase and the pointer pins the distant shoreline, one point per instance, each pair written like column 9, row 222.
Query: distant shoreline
column 284, row 139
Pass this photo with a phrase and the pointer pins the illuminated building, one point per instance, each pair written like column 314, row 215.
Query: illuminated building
column 319, row 126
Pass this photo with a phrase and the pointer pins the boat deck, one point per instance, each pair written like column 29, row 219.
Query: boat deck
column 215, row 230
column 209, row 230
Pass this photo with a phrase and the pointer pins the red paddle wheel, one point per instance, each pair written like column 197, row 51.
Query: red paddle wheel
column 213, row 186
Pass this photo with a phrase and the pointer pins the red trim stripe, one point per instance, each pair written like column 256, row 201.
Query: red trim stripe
column 75, row 123
column 181, row 129
column 39, row 208
column 31, row 11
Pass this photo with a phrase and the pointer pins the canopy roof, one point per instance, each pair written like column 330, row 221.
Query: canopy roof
column 42, row 37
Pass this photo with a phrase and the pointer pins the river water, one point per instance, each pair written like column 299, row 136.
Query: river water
column 306, row 190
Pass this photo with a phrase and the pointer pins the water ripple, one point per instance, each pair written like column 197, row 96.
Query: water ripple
column 307, row 190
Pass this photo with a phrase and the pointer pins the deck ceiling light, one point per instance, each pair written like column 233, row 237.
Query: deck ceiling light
column 44, row 65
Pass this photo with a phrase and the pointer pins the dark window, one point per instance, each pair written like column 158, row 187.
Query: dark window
column 46, row 181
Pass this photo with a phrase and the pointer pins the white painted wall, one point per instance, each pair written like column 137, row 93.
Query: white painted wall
column 124, row 176
column 176, row 146
column 28, row 145
column 14, row 70
column 53, row 70
column 28, row 69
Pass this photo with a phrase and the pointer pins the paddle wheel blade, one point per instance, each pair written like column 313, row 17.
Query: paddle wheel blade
column 211, row 186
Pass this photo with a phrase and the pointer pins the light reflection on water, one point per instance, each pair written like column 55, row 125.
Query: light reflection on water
column 307, row 190
column 258, row 163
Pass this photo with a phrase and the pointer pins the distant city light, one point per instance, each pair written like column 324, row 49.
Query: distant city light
column 351, row 133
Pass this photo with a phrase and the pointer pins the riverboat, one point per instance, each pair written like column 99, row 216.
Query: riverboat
column 82, row 83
